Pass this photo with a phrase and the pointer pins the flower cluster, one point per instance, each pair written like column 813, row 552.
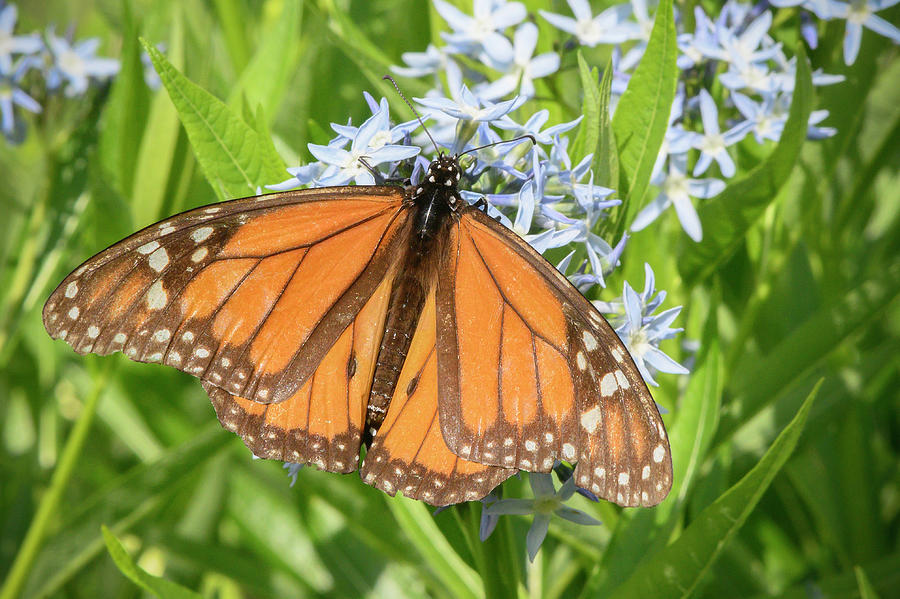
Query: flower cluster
column 60, row 63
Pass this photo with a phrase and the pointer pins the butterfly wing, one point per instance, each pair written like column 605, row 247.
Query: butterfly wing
column 409, row 454
column 566, row 387
column 322, row 422
column 247, row 295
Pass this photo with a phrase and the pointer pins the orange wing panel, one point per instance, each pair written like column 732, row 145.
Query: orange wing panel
column 409, row 455
column 321, row 422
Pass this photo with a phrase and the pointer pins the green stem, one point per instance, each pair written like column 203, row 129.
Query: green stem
column 47, row 509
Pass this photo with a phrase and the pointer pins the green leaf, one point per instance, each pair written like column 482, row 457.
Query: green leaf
column 234, row 159
column 264, row 81
column 158, row 587
column 125, row 115
column 642, row 113
column 157, row 148
column 606, row 158
column 676, row 570
column 589, row 131
column 758, row 383
column 414, row 518
column 866, row 590
column 727, row 217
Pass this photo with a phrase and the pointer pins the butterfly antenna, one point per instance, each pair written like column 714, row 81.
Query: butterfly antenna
column 415, row 112
column 497, row 143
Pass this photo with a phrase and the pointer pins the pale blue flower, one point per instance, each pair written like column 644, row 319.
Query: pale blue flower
column 293, row 470
column 676, row 189
column 11, row 96
column 524, row 67
column 859, row 14
column 609, row 27
column 547, row 502
column 76, row 64
column 430, row 62
column 761, row 117
column 533, row 126
column 14, row 44
column 479, row 34
column 640, row 330
column 712, row 143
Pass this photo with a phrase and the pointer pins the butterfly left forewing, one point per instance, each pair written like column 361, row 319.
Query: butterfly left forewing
column 530, row 372
column 247, row 295
column 409, row 455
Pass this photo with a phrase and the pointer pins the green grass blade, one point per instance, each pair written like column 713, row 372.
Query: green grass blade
column 416, row 521
column 589, row 129
column 156, row 586
column 760, row 382
column 642, row 114
column 675, row 571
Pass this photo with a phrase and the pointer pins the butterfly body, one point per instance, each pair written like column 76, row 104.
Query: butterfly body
column 431, row 205
column 402, row 319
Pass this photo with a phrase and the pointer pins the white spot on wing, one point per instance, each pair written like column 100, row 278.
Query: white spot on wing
column 199, row 254
column 119, row 338
column 156, row 296
column 201, row 234
column 148, row 247
column 162, row 335
column 158, row 259
column 622, row 380
column 202, row 352
column 623, row 478
column 166, row 230
column 659, row 453
column 581, row 361
column 590, row 419
column 645, row 472
column 71, row 289
column 608, row 384
column 617, row 354
column 530, row 445
column 74, row 312
column 590, row 342
column 568, row 451
column 93, row 331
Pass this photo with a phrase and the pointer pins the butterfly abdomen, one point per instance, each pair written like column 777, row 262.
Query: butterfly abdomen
column 415, row 281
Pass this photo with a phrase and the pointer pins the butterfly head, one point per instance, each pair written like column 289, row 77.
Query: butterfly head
column 444, row 171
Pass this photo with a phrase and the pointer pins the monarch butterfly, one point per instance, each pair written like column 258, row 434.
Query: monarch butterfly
column 399, row 318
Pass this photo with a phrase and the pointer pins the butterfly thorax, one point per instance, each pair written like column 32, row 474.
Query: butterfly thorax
column 433, row 202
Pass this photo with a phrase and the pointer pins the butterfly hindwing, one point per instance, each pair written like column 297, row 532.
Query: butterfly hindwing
column 247, row 295
column 408, row 454
column 322, row 422
column 530, row 372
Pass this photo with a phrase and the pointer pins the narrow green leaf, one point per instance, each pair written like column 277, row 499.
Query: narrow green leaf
column 642, row 113
column 676, row 570
column 233, row 18
column 866, row 590
column 606, row 158
column 727, row 217
column 589, row 130
column 414, row 518
column 757, row 383
column 264, row 81
column 234, row 159
column 157, row 148
column 125, row 115
column 158, row 587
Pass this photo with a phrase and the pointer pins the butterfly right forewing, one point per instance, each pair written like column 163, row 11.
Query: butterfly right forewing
column 247, row 295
